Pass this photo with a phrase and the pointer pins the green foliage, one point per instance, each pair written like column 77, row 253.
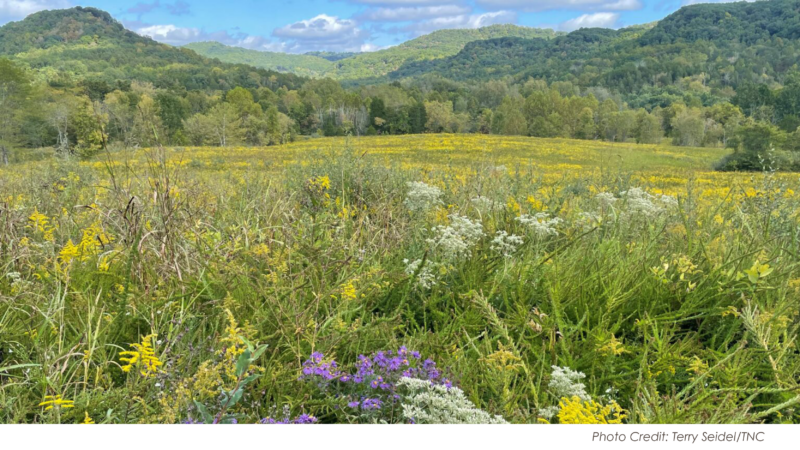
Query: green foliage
column 303, row 65
column 681, row 56
column 53, row 43
column 757, row 146
column 356, row 66
column 14, row 91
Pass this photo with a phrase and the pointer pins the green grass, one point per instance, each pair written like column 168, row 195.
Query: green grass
column 682, row 313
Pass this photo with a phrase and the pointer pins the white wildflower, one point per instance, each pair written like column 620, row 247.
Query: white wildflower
column 14, row 276
column 422, row 197
column 605, row 198
column 425, row 278
column 426, row 403
column 565, row 382
column 549, row 412
column 506, row 244
column 540, row 223
column 456, row 239
column 642, row 203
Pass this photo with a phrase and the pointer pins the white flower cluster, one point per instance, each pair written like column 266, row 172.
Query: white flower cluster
column 506, row 244
column 422, row 197
column 642, row 203
column 605, row 199
column 456, row 239
column 540, row 223
column 426, row 403
column 426, row 279
column 565, row 382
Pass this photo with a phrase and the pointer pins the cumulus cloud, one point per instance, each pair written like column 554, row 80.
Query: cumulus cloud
column 175, row 35
column 461, row 21
column 406, row 14
column 597, row 20
column 19, row 9
column 694, row 2
column 544, row 5
column 405, row 2
column 323, row 32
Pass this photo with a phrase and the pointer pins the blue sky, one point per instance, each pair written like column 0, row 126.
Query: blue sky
column 299, row 26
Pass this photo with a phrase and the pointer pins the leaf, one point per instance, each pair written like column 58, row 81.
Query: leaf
column 207, row 418
column 260, row 351
column 243, row 363
column 235, row 396
column 250, row 379
column 18, row 366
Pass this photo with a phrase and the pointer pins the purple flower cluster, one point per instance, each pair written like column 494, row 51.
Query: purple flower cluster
column 367, row 404
column 299, row 420
column 315, row 367
column 372, row 382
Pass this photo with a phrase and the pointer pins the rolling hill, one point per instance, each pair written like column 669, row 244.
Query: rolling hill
column 305, row 65
column 703, row 49
column 439, row 44
column 70, row 45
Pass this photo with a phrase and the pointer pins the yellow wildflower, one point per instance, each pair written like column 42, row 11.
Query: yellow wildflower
column 576, row 411
column 142, row 356
column 52, row 401
column 349, row 291
column 86, row 419
column 612, row 347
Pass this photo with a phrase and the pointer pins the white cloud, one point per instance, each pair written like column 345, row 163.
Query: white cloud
column 462, row 21
column 405, row 2
column 170, row 34
column 174, row 35
column 544, row 5
column 694, row 2
column 322, row 32
column 405, row 14
column 597, row 20
column 19, row 9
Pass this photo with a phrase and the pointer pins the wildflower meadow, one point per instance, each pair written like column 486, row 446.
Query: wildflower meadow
column 399, row 279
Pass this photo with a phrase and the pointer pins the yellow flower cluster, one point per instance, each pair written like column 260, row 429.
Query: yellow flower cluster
column 55, row 401
column 576, row 411
column 42, row 224
column 142, row 357
column 86, row 419
column 94, row 238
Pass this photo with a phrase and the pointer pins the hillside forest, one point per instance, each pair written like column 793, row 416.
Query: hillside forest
column 721, row 75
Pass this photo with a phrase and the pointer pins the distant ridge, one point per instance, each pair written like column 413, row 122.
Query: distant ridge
column 354, row 66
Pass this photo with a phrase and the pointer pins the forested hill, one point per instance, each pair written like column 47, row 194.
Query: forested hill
column 304, row 65
column 357, row 66
column 69, row 46
column 744, row 22
column 708, row 48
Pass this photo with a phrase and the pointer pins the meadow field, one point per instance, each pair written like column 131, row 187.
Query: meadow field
column 399, row 279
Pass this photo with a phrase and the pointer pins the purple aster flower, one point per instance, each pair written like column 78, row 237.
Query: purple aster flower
column 353, row 404
column 305, row 419
column 371, row 403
